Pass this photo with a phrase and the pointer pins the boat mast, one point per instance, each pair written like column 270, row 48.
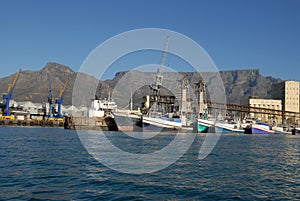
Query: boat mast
column 131, row 101
column 200, row 91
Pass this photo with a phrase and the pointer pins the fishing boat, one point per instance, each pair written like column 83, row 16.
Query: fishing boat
column 258, row 128
column 102, row 107
column 282, row 130
column 127, row 120
column 161, row 114
column 297, row 130
column 214, row 126
column 204, row 125
column 262, row 128
column 161, row 122
column 228, row 127
column 158, row 116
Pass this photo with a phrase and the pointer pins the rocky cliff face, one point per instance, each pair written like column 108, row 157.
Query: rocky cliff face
column 241, row 84
column 32, row 85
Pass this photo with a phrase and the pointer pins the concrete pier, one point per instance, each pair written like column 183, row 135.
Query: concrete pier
column 42, row 123
column 74, row 123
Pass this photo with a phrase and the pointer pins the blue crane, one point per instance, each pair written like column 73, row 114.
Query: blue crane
column 60, row 100
column 50, row 99
column 8, row 96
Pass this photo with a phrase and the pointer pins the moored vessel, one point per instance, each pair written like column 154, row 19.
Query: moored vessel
column 253, row 127
column 228, row 127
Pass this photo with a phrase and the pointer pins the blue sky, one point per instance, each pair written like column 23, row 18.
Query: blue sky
column 237, row 34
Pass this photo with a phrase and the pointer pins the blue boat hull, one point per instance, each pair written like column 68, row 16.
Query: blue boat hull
column 259, row 131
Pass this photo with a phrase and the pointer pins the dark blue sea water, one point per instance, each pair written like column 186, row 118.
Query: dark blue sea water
column 52, row 164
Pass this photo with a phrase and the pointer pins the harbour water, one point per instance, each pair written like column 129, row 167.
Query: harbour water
column 52, row 164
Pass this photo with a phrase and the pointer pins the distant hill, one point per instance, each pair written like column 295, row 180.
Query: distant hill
column 32, row 85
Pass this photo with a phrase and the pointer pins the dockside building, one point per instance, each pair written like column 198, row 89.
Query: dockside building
column 288, row 93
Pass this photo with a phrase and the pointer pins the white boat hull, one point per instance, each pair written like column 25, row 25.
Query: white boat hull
column 155, row 123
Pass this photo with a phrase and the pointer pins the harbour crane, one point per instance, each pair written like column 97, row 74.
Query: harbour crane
column 60, row 100
column 8, row 96
column 159, row 77
column 50, row 100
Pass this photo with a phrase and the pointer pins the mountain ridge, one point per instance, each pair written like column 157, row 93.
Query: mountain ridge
column 32, row 86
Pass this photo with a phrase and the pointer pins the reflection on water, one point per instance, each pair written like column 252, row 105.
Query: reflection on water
column 41, row 163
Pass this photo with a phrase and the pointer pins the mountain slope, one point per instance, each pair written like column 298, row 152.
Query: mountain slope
column 32, row 85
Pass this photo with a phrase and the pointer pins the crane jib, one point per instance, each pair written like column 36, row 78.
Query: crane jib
column 159, row 77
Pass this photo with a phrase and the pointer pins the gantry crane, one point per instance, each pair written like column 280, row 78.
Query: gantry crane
column 50, row 100
column 159, row 77
column 60, row 100
column 51, row 113
column 8, row 96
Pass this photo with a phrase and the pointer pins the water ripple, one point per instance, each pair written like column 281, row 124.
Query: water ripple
column 51, row 164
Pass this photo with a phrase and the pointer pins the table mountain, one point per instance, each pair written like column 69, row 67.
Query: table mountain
column 32, row 85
